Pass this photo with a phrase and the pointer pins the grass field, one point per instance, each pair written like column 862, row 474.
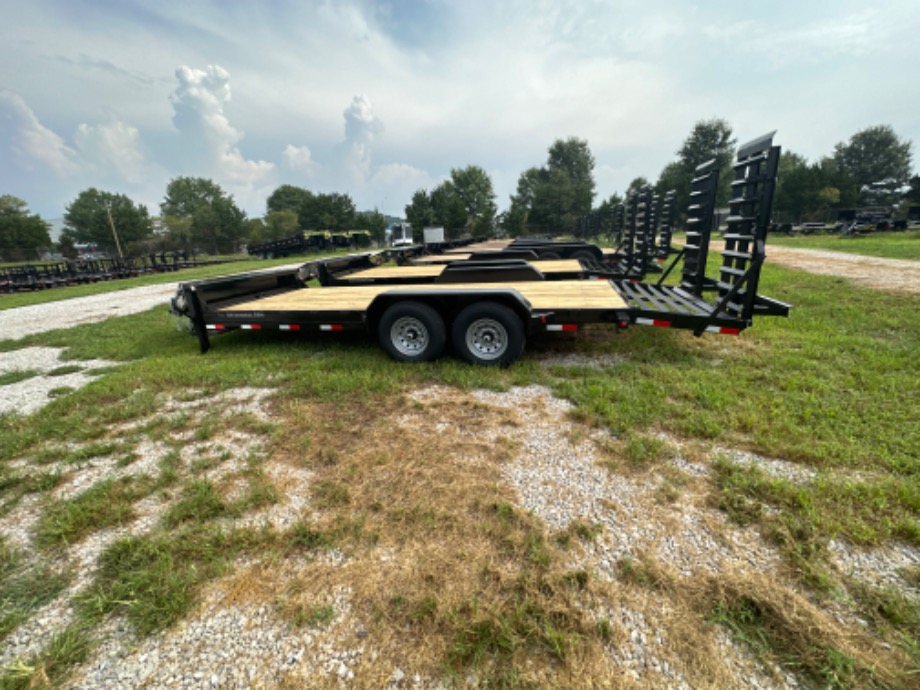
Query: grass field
column 832, row 391
column 889, row 245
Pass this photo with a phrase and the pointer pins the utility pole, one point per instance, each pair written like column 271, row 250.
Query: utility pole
column 108, row 211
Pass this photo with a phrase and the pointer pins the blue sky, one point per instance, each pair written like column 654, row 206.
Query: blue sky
column 378, row 99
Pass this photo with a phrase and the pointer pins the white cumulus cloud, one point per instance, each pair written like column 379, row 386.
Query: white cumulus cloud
column 113, row 145
column 209, row 138
column 362, row 127
column 30, row 143
column 299, row 159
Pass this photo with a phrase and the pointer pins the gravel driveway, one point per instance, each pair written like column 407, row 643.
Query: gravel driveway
column 888, row 275
column 22, row 321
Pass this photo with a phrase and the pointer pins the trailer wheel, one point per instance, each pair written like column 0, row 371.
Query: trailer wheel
column 583, row 255
column 412, row 332
column 549, row 256
column 488, row 333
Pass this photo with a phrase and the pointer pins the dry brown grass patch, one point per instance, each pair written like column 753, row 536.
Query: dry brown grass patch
column 444, row 573
column 412, row 523
column 781, row 625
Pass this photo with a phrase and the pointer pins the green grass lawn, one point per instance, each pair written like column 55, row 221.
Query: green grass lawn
column 833, row 388
column 889, row 245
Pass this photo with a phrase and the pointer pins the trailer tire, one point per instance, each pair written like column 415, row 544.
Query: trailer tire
column 583, row 255
column 549, row 256
column 412, row 332
column 489, row 334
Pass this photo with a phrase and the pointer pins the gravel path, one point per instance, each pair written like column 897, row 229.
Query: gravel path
column 22, row 321
column 888, row 275
column 48, row 375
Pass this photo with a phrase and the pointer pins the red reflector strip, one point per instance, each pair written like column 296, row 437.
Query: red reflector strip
column 562, row 327
column 215, row 326
column 724, row 330
column 251, row 327
column 331, row 327
column 289, row 327
column 654, row 322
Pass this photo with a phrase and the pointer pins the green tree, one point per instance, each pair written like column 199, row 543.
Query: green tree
column 376, row 225
column 554, row 196
column 327, row 212
column 472, row 188
column 419, row 213
column 709, row 139
column 22, row 235
column 513, row 222
column 287, row 197
column 186, row 194
column 279, row 224
column 875, row 155
column 674, row 176
column 89, row 219
column 573, row 159
column 797, row 188
column 66, row 248
column 217, row 224
column 606, row 209
column 448, row 210
column 554, row 208
column 256, row 230
column 178, row 233
column 913, row 191
column 528, row 185
column 831, row 174
column 637, row 185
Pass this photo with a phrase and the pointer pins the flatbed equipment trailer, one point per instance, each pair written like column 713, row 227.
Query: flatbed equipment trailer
column 488, row 315
column 487, row 322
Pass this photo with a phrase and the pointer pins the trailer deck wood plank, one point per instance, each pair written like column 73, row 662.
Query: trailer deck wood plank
column 542, row 295
column 487, row 246
column 434, row 270
column 442, row 258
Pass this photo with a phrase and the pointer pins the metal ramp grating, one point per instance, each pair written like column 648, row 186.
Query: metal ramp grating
column 683, row 306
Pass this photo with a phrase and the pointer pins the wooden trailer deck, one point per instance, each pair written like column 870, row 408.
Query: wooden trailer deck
column 442, row 258
column 434, row 270
column 463, row 253
column 560, row 294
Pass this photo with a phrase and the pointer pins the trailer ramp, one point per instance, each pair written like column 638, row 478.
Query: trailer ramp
column 736, row 300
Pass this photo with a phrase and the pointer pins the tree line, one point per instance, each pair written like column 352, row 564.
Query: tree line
column 873, row 167
column 196, row 216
